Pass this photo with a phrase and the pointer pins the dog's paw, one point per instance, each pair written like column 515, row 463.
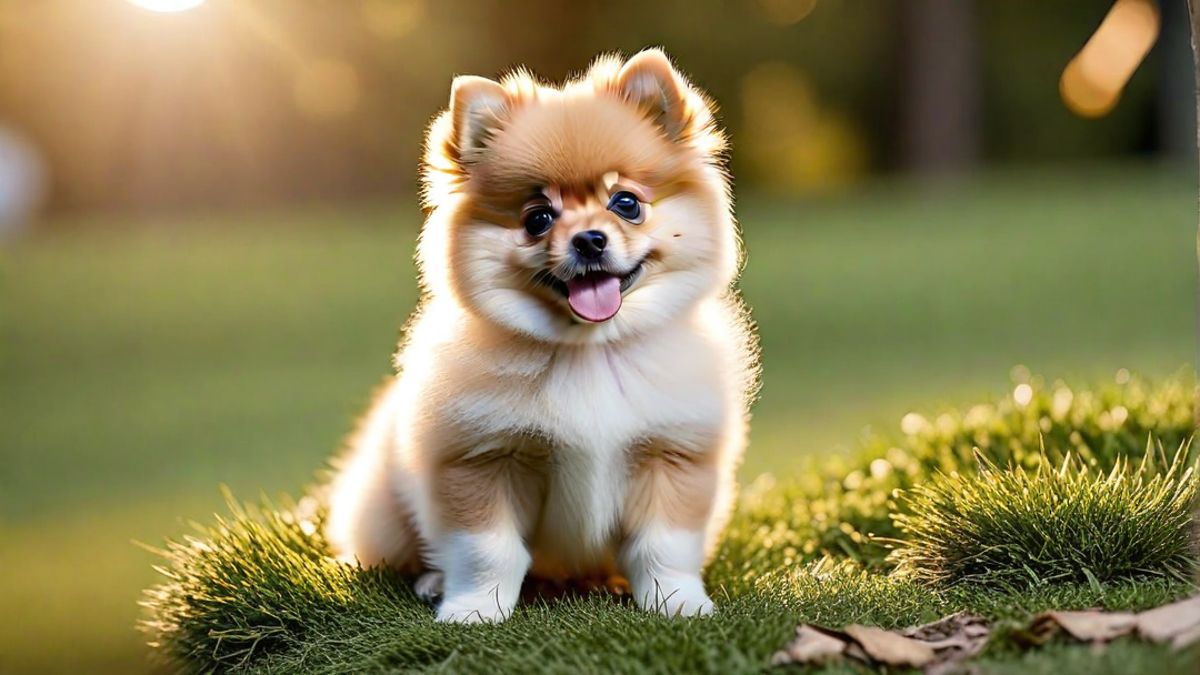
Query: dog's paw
column 678, row 598
column 682, row 604
column 472, row 609
column 428, row 586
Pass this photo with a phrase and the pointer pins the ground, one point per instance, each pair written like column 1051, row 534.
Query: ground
column 149, row 359
column 258, row 591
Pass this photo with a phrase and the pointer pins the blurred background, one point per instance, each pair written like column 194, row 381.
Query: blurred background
column 208, row 214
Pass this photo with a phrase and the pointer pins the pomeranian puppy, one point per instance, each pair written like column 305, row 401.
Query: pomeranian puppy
column 573, row 389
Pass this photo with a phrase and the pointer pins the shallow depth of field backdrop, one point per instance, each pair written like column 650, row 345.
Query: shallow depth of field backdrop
column 207, row 219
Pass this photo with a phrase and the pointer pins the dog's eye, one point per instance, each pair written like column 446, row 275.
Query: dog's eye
column 537, row 221
column 627, row 206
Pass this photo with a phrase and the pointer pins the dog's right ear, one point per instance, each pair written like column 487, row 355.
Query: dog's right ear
column 478, row 106
column 650, row 80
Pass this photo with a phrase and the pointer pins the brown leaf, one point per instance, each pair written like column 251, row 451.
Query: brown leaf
column 962, row 631
column 939, row 647
column 812, row 645
column 1187, row 638
column 954, row 638
column 1086, row 626
column 944, row 645
column 945, row 627
column 1178, row 622
column 1164, row 623
column 855, row 651
column 891, row 648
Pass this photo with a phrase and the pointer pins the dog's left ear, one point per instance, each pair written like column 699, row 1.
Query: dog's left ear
column 649, row 80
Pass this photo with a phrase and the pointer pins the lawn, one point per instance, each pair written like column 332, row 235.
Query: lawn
column 258, row 592
column 148, row 359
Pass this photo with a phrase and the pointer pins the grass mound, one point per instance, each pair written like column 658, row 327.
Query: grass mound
column 257, row 592
column 1014, row 527
column 843, row 507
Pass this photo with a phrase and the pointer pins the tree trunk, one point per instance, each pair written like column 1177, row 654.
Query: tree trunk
column 940, row 107
column 1194, row 15
column 1176, row 107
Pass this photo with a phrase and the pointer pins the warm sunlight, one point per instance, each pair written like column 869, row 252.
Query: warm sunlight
column 167, row 5
column 1092, row 82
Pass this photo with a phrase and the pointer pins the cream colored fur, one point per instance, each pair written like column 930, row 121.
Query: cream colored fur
column 518, row 439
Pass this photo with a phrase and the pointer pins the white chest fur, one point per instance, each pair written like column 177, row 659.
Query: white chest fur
column 578, row 410
column 599, row 403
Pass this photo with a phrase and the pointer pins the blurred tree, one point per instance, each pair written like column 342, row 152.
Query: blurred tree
column 1176, row 97
column 940, row 82
column 550, row 37
column 244, row 102
column 1194, row 14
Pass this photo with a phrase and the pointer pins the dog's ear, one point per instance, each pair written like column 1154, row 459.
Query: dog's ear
column 649, row 80
column 478, row 106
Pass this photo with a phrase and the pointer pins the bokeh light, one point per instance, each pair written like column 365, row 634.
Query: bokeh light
column 913, row 423
column 790, row 141
column 326, row 89
column 392, row 19
column 167, row 5
column 1092, row 82
column 787, row 12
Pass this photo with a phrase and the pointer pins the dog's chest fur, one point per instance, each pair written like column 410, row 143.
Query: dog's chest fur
column 579, row 415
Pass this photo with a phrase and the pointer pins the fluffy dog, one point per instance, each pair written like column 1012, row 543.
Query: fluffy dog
column 572, row 392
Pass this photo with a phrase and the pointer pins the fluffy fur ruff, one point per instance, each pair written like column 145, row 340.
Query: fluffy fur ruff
column 524, row 434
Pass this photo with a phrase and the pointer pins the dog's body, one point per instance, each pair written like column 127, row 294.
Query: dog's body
column 572, row 398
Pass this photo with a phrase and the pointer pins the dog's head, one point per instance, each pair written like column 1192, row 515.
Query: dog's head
column 583, row 213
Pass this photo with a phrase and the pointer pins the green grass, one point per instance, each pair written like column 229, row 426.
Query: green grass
column 258, row 592
column 846, row 506
column 144, row 360
column 1066, row 524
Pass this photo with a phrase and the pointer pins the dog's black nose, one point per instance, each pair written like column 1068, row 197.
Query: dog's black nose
column 589, row 245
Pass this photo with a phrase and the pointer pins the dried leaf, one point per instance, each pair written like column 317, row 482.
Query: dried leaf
column 1187, row 638
column 812, row 645
column 1178, row 622
column 952, row 642
column 855, row 651
column 943, row 646
column 948, row 626
column 955, row 638
column 1086, row 626
column 939, row 647
column 891, row 648
column 1164, row 623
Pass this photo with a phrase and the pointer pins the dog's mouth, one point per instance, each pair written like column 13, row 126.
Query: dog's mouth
column 594, row 296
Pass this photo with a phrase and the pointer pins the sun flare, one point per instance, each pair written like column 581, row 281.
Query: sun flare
column 167, row 5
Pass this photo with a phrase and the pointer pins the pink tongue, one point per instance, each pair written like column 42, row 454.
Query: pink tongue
column 595, row 297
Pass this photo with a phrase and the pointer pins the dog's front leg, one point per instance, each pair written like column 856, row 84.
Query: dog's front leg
column 481, row 552
column 482, row 572
column 662, row 554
